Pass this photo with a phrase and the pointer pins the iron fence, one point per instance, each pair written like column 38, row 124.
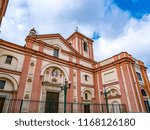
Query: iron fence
column 28, row 106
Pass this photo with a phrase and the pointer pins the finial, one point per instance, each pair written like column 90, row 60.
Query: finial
column 77, row 29
column 32, row 32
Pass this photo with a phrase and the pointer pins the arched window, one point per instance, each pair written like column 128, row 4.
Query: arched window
column 86, row 96
column 2, row 84
column 139, row 76
column 85, row 46
column 56, row 53
column 143, row 92
column 8, row 59
column 86, row 77
column 146, row 102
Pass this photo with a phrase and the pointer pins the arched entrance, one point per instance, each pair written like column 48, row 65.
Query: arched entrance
column 87, row 96
column 8, row 88
column 52, row 95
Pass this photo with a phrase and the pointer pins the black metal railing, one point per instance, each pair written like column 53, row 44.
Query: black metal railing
column 28, row 106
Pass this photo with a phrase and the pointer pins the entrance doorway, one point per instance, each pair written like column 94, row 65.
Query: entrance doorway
column 2, row 99
column 87, row 108
column 52, row 102
column 116, row 107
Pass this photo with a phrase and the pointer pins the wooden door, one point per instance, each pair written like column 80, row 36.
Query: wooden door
column 52, row 102
column 2, row 99
column 87, row 108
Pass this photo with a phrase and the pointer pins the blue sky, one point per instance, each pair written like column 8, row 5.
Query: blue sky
column 137, row 8
column 115, row 25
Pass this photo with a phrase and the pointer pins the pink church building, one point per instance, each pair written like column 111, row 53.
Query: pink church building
column 54, row 75
column 32, row 77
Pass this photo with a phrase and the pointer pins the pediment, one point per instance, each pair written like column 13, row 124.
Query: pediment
column 57, row 42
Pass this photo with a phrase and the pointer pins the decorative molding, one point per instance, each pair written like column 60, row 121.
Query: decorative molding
column 47, row 83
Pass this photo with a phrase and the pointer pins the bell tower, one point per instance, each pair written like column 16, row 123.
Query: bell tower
column 81, row 44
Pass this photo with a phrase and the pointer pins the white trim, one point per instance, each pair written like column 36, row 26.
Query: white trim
column 137, row 89
column 146, row 81
column 11, row 78
column 78, row 87
column 89, row 90
column 76, row 44
column 132, row 89
column 126, row 90
column 55, row 65
column 99, row 94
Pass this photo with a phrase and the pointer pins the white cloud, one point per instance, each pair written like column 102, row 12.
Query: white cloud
column 135, row 39
column 45, row 15
column 118, row 31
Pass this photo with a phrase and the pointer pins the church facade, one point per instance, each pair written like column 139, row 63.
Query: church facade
column 33, row 77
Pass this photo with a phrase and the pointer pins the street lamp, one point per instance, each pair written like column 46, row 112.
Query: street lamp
column 106, row 98
column 65, row 87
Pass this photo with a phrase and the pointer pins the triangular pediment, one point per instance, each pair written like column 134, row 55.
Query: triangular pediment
column 58, row 41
